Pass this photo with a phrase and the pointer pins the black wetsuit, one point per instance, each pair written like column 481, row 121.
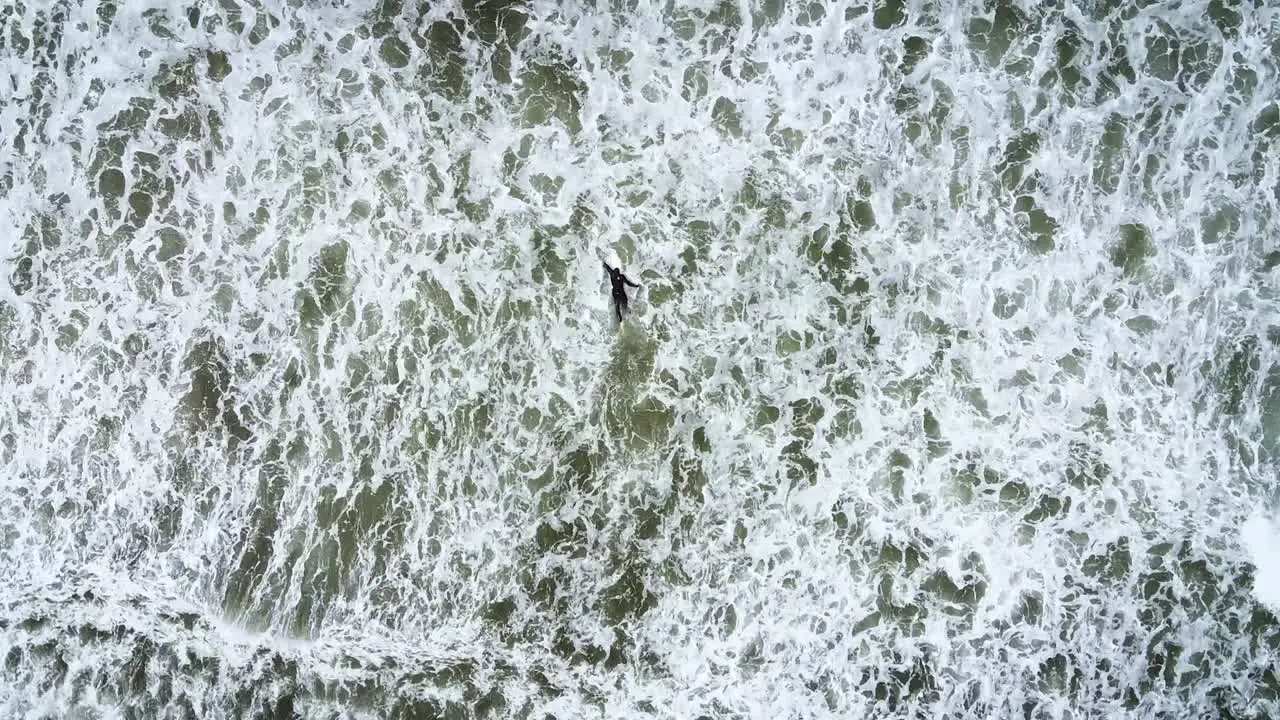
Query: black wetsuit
column 616, row 278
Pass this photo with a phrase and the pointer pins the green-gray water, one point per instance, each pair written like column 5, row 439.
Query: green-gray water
column 951, row 389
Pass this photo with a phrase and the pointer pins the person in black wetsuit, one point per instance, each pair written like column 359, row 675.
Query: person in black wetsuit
column 617, row 279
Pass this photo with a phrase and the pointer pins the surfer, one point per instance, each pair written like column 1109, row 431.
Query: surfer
column 617, row 279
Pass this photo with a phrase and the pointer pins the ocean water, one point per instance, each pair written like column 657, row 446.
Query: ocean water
column 951, row 388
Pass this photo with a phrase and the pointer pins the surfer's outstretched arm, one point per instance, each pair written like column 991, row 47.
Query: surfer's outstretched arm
column 606, row 267
column 628, row 281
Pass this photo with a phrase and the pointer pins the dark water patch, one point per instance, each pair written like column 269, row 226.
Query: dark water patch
column 803, row 416
column 1085, row 468
column 1239, row 374
column 694, row 86
column 137, row 673
column 395, row 53
column 445, row 73
column 327, row 285
column 549, row 266
column 1165, row 590
column 151, row 188
column 1067, row 49
column 628, row 598
column 1266, row 124
column 552, row 94
column 958, row 597
column 1109, row 154
column 177, row 81
column 725, row 117
column 1017, row 153
column 637, row 421
column 571, row 539
column 858, row 213
column 500, row 25
column 111, row 183
column 374, row 517
column 579, row 471
column 974, row 478
column 209, row 402
column 936, row 117
column 556, row 575
column 1117, row 74
column 1269, row 400
column 1226, row 16
column 1061, row 673
column 218, row 64
column 41, row 235
column 936, row 443
column 1048, row 507
column 887, row 14
column 1223, row 225
column 902, row 684
column 1113, row 563
column 1187, row 62
column 914, row 50
column 478, row 211
column 689, row 478
column 1041, row 227
column 995, row 34
column 256, row 545
column 184, row 125
column 899, row 562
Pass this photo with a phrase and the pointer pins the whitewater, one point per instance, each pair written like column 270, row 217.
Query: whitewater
column 951, row 388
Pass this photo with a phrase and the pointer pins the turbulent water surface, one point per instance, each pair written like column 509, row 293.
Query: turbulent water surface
column 950, row 390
